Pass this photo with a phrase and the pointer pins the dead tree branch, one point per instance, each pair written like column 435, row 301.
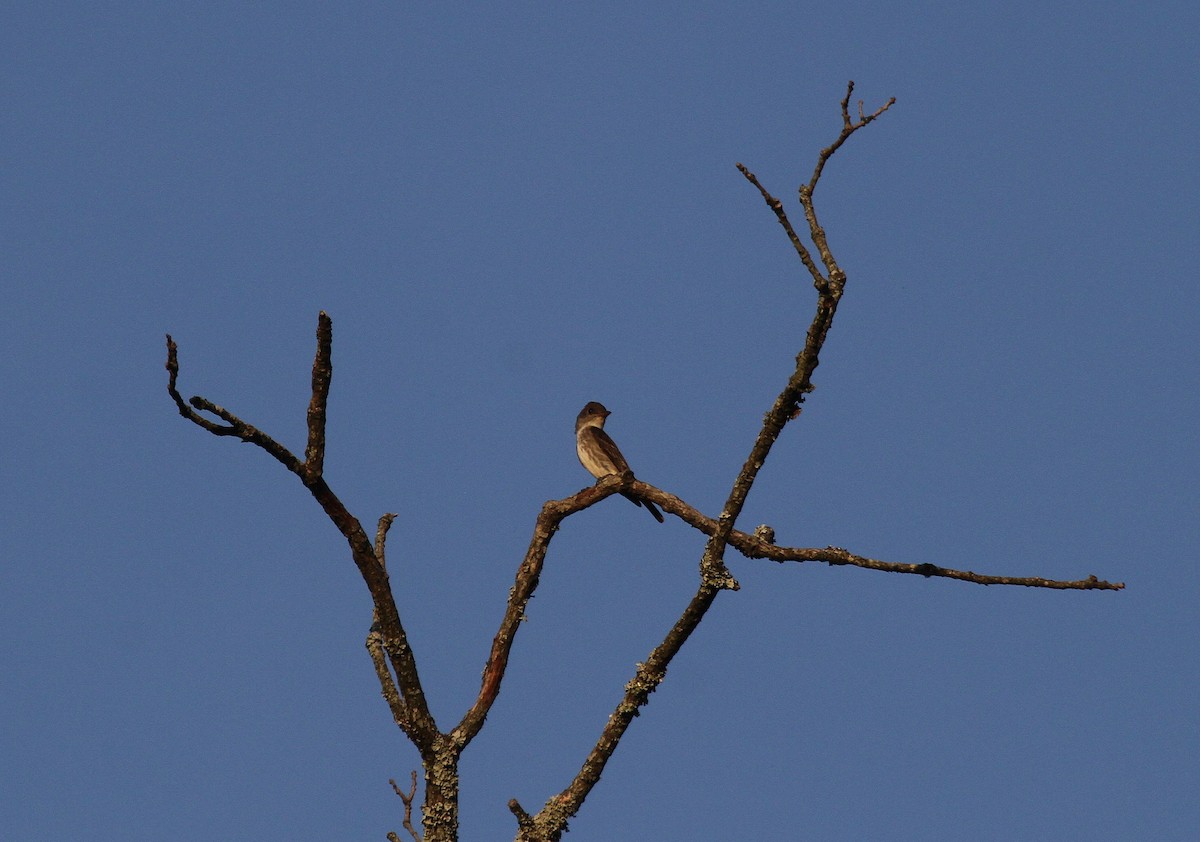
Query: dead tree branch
column 387, row 643
column 407, row 798
column 754, row 546
column 404, row 695
column 551, row 821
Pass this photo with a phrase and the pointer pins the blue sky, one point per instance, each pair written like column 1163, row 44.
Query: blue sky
column 512, row 209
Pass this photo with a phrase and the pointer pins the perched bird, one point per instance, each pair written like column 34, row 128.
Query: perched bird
column 599, row 453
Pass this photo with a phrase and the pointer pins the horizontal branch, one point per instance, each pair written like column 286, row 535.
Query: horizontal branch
column 551, row 820
column 754, row 546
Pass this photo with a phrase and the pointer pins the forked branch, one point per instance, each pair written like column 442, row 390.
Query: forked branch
column 405, row 695
column 387, row 642
column 407, row 799
column 761, row 544
column 550, row 823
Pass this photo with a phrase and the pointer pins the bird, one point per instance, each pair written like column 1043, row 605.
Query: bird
column 599, row 453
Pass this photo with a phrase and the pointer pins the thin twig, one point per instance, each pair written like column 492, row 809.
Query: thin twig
column 849, row 127
column 819, row 280
column 407, row 798
column 837, row 278
column 237, row 427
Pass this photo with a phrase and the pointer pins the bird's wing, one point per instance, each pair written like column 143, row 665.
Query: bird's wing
column 606, row 444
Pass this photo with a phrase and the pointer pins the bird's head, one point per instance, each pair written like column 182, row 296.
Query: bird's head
column 592, row 415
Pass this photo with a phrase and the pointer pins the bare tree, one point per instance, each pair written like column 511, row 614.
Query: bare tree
column 387, row 643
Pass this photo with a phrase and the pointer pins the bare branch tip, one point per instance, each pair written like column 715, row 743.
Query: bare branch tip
column 172, row 358
column 523, row 818
column 407, row 798
column 381, row 531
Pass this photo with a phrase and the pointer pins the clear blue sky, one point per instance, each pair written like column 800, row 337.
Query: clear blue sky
column 512, row 209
